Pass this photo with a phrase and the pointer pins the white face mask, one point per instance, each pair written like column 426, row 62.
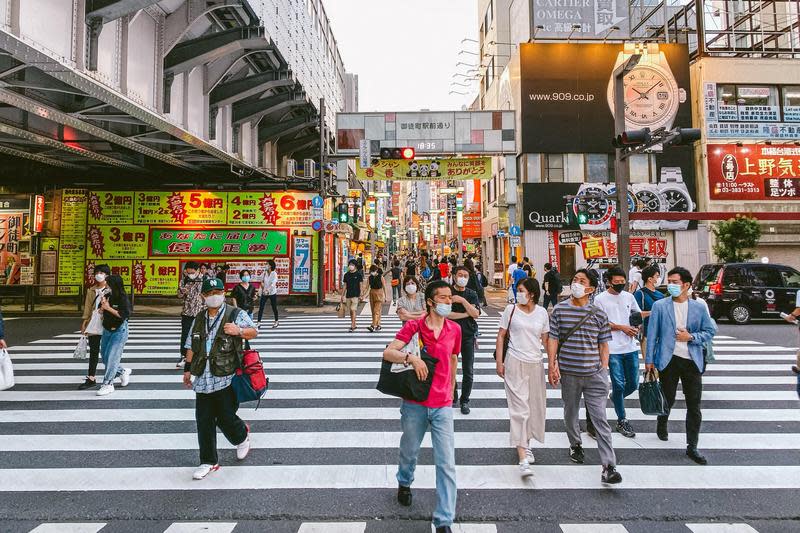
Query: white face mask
column 577, row 290
column 411, row 289
column 522, row 298
column 193, row 275
column 100, row 277
column 462, row 282
column 215, row 300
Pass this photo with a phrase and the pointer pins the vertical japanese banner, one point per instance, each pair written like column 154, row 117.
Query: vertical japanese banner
column 301, row 264
column 283, row 269
column 72, row 245
column 10, row 232
column 552, row 248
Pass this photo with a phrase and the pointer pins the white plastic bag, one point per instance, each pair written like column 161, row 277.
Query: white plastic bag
column 82, row 349
column 6, row 370
column 95, row 326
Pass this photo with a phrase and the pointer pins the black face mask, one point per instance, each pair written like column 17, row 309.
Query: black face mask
column 618, row 287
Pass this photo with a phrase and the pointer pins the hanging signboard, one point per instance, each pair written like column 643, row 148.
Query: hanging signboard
column 271, row 208
column 753, row 172
column 118, row 242
column 223, row 242
column 111, row 207
column 301, row 265
column 184, row 208
column 157, row 277
column 476, row 168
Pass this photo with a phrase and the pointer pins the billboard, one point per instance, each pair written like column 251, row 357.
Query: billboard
column 748, row 112
column 753, row 172
column 583, row 19
column 447, row 132
column 477, row 168
column 566, row 93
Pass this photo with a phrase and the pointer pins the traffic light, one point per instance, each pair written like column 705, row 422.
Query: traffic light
column 683, row 136
column 632, row 138
column 576, row 214
column 342, row 213
column 405, row 152
column 583, row 218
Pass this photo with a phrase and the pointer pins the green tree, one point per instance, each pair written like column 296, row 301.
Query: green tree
column 734, row 236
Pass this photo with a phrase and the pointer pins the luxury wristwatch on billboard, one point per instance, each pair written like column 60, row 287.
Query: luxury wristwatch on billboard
column 677, row 196
column 649, row 199
column 593, row 200
column 652, row 95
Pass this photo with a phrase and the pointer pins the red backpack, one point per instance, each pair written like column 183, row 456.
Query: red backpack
column 250, row 382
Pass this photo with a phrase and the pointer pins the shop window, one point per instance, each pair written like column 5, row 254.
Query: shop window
column 554, row 168
column 791, row 103
column 599, row 168
column 726, row 94
column 640, row 168
column 750, row 95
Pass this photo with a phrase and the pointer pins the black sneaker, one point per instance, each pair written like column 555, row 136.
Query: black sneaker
column 465, row 408
column 661, row 431
column 444, row 529
column 694, row 455
column 370, row 329
column 576, row 454
column 404, row 497
column 624, row 428
column 590, row 429
column 87, row 384
column 795, row 369
column 610, row 475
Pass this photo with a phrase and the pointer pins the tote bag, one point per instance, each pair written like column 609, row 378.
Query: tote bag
column 651, row 398
column 401, row 381
column 6, row 370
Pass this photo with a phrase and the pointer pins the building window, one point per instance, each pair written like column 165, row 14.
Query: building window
column 791, row 103
column 490, row 74
column 493, row 189
column 598, row 168
column 554, row 168
column 748, row 103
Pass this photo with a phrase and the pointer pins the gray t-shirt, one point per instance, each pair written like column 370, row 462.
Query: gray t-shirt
column 412, row 304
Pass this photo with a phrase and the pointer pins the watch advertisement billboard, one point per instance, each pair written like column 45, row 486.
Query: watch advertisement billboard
column 580, row 19
column 753, row 172
column 567, row 92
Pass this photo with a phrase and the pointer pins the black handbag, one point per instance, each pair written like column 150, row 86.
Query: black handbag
column 405, row 384
column 506, row 339
column 651, row 397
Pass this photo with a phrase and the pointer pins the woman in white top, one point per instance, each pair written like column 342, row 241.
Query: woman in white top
column 269, row 289
column 527, row 325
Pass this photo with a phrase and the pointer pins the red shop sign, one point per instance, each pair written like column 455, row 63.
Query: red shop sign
column 753, row 172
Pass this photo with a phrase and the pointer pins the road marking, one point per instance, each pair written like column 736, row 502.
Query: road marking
column 201, row 527
column 332, row 527
column 593, row 528
column 69, row 527
column 721, row 528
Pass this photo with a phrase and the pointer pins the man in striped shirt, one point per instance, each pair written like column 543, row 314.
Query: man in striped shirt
column 577, row 353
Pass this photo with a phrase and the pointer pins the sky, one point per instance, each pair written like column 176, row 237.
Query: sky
column 405, row 51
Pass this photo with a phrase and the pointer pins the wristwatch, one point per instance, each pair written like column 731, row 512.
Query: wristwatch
column 652, row 95
column 677, row 196
column 593, row 200
column 648, row 200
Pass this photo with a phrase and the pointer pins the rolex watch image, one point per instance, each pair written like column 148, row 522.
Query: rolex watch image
column 648, row 200
column 676, row 195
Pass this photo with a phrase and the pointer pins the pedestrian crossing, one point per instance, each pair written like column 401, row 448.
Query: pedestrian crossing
column 324, row 427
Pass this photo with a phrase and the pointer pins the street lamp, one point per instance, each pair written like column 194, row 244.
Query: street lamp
column 575, row 27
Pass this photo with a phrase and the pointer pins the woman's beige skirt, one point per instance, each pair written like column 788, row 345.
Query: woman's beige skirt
column 527, row 401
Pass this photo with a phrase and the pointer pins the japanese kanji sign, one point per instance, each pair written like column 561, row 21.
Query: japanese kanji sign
column 479, row 168
column 116, row 242
column 222, row 242
column 753, row 172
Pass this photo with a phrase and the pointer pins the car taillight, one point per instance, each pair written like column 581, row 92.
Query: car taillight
column 715, row 289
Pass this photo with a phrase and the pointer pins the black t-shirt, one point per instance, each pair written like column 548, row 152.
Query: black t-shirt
column 120, row 304
column 244, row 297
column 352, row 281
column 553, row 282
column 376, row 280
column 468, row 325
column 411, row 268
column 396, row 273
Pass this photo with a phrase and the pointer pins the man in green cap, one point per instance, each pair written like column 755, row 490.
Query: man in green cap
column 214, row 351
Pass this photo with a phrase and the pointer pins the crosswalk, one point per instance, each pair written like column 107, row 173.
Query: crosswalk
column 324, row 427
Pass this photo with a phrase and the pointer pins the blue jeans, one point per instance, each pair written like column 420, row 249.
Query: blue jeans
column 415, row 420
column 111, row 346
column 624, row 370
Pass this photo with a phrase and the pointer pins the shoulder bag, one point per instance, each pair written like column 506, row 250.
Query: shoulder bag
column 507, row 339
column 575, row 328
column 249, row 382
column 399, row 380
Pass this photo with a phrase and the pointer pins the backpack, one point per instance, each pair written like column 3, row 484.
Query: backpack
column 426, row 273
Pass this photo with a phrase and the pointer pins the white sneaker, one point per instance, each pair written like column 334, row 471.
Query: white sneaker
column 525, row 469
column 105, row 390
column 204, row 470
column 125, row 378
column 529, row 458
column 180, row 363
column 244, row 448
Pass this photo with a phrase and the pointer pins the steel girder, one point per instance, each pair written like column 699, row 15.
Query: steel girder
column 38, row 158
column 296, row 145
column 108, row 10
column 253, row 110
column 284, row 129
column 255, row 84
column 195, row 52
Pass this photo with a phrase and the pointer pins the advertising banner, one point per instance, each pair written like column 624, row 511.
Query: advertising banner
column 567, row 94
column 184, row 208
column 655, row 245
column 10, row 232
column 753, row 172
column 472, row 224
column 72, row 245
column 301, row 265
column 596, row 19
column 428, row 132
column 223, row 242
column 283, row 269
column 272, row 209
column 736, row 121
column 479, row 168
column 156, row 277
column 119, row 267
column 548, row 205
column 119, row 242
column 111, row 207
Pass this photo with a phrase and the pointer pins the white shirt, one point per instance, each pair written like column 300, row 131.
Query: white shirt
column 511, row 268
column 619, row 307
column 526, row 332
column 681, row 315
column 271, row 283
column 635, row 276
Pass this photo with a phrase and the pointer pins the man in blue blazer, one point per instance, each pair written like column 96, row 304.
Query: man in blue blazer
column 678, row 329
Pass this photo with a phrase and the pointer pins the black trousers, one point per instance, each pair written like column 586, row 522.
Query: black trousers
column 467, row 369
column 548, row 299
column 186, row 326
column 217, row 410
column 94, row 353
column 273, row 300
column 692, row 383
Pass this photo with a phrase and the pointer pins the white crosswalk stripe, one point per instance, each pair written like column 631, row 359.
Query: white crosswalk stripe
column 323, row 377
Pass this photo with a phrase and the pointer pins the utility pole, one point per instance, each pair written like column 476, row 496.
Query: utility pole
column 621, row 165
column 322, row 191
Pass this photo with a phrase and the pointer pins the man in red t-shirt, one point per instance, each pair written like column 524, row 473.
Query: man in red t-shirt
column 442, row 341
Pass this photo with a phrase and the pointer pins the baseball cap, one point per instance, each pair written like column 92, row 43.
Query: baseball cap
column 213, row 284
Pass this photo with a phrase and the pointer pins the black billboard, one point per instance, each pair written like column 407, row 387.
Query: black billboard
column 566, row 89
